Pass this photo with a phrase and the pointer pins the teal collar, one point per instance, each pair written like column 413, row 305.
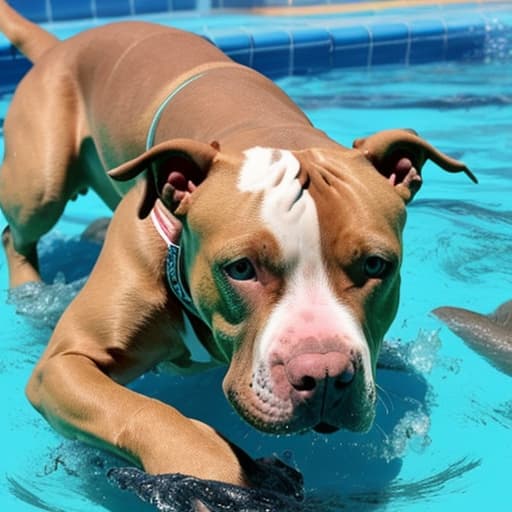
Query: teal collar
column 200, row 358
column 158, row 114
column 173, row 268
column 165, row 229
column 193, row 75
column 173, row 260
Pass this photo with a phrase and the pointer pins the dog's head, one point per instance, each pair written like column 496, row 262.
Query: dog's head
column 293, row 260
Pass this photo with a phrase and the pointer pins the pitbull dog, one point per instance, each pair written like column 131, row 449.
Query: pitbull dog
column 249, row 233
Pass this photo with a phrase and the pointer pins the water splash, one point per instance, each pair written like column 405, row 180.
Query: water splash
column 65, row 264
column 422, row 352
column 411, row 432
column 418, row 357
column 498, row 41
column 43, row 304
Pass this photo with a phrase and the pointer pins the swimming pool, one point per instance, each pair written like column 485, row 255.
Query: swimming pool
column 294, row 42
column 442, row 439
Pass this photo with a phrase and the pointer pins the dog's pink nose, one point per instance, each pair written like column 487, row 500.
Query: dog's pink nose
column 306, row 371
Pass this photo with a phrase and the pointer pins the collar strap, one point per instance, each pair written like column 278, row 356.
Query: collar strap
column 177, row 86
column 158, row 114
column 173, row 262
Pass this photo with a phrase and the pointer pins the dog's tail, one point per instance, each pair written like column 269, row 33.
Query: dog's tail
column 28, row 37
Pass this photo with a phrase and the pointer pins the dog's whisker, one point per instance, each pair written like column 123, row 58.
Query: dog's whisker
column 382, row 391
column 381, row 400
column 382, row 431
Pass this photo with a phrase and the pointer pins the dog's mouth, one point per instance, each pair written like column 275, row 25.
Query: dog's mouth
column 333, row 407
column 325, row 428
column 283, row 419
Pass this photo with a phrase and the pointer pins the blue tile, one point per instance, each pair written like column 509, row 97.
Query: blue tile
column 301, row 3
column 11, row 54
column 420, row 29
column 465, row 38
column 312, row 50
column 34, row 10
column 272, row 52
column 389, row 32
column 183, row 5
column 238, row 3
column 7, row 52
column 426, row 50
column 390, row 53
column 464, row 24
column 463, row 47
column 66, row 10
column 389, row 43
column 237, row 45
column 427, row 41
column 351, row 46
column 145, row 6
column 105, row 8
column 13, row 71
column 244, row 58
column 270, row 3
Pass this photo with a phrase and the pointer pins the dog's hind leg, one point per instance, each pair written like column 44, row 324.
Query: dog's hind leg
column 22, row 267
column 40, row 172
column 29, row 215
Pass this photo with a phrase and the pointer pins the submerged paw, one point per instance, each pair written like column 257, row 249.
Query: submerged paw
column 179, row 493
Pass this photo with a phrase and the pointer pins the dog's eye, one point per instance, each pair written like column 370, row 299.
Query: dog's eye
column 375, row 267
column 240, row 270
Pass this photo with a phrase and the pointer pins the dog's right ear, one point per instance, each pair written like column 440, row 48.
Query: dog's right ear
column 173, row 171
column 399, row 156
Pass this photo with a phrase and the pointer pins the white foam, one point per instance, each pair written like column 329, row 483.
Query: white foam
column 43, row 304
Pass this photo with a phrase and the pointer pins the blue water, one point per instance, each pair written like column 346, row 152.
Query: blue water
column 443, row 436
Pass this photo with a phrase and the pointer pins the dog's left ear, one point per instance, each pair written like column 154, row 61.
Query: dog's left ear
column 399, row 155
column 173, row 170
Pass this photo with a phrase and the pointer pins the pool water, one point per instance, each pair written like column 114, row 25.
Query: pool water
column 443, row 436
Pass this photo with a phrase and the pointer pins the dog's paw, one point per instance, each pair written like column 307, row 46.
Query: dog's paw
column 181, row 493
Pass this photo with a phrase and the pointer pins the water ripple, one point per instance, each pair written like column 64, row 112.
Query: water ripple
column 464, row 209
column 399, row 102
column 472, row 255
column 22, row 492
column 483, row 414
column 399, row 493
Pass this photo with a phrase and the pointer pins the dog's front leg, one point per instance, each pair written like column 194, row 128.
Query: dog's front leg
column 82, row 402
column 118, row 327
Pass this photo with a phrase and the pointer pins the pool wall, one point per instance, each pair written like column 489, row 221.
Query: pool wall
column 287, row 45
column 48, row 11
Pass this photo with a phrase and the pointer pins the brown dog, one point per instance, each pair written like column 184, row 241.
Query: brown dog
column 252, row 234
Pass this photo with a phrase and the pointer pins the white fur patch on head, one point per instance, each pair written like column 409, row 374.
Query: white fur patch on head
column 287, row 210
column 290, row 214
